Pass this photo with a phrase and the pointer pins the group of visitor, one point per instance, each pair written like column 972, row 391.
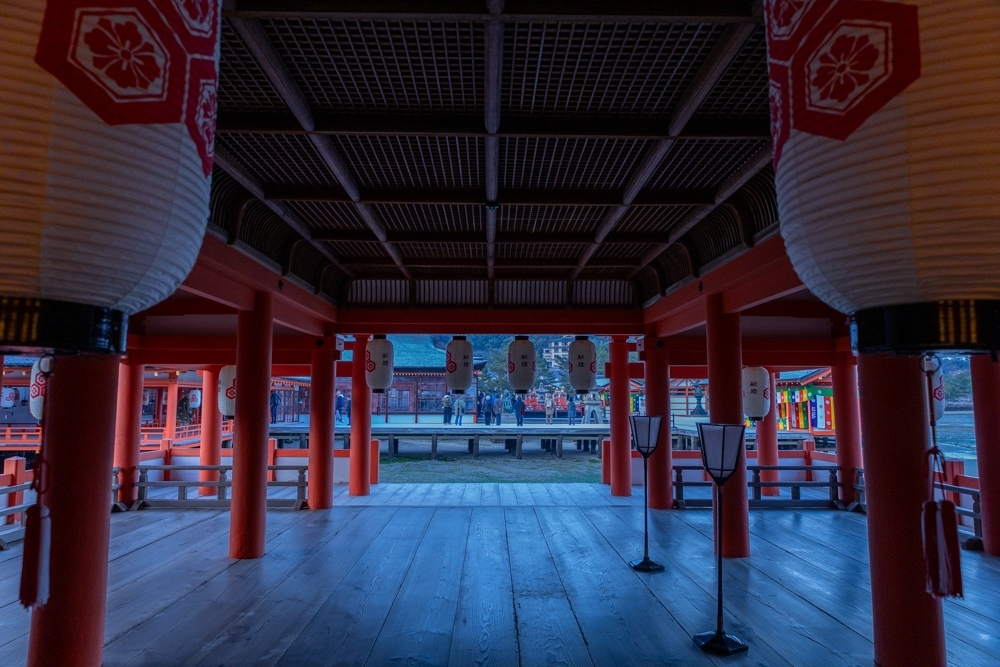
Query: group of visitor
column 453, row 407
column 343, row 407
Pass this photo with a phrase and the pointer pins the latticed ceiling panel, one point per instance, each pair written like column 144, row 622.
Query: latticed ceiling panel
column 623, row 251
column 414, row 162
column 601, row 68
column 742, row 90
column 307, row 262
column 414, row 252
column 702, row 163
column 651, row 219
column 598, row 164
column 368, row 249
column 554, row 219
column 433, row 219
column 278, row 159
column 717, row 234
column 328, row 215
column 603, row 272
column 377, row 65
column 265, row 232
column 242, row 84
column 538, row 251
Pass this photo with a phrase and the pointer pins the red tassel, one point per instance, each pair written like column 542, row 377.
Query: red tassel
column 942, row 555
column 35, row 563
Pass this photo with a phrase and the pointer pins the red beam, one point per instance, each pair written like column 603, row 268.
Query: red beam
column 481, row 320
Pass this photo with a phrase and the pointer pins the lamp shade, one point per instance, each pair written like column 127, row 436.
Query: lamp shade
column 458, row 365
column 645, row 433
column 721, row 446
column 582, row 364
column 227, row 390
column 380, row 360
column 194, row 398
column 8, row 397
column 886, row 153
column 521, row 364
column 36, row 390
column 107, row 121
column 756, row 392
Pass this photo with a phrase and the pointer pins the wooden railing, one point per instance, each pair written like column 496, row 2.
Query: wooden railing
column 832, row 484
column 144, row 501
column 13, row 531
column 20, row 437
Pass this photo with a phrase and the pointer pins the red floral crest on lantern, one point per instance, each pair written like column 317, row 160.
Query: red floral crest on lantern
column 833, row 65
column 369, row 364
column 138, row 61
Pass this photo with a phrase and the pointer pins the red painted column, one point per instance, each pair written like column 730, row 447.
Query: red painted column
column 847, row 423
column 173, row 389
column 725, row 406
column 210, row 450
column 907, row 621
column 621, row 433
column 361, row 421
column 321, row 428
column 986, row 414
column 253, row 416
column 78, row 445
column 661, row 483
column 127, row 423
column 767, row 444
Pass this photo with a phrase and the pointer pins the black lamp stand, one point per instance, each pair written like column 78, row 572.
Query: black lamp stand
column 644, row 564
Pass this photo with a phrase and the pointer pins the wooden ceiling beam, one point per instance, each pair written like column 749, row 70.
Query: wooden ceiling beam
column 500, row 263
column 505, row 238
column 493, row 63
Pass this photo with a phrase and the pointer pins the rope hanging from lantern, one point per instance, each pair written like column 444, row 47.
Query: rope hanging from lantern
column 34, row 590
column 939, row 520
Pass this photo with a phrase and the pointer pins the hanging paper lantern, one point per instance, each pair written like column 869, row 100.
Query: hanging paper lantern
column 521, row 364
column 108, row 116
column 380, row 359
column 36, row 391
column 8, row 397
column 194, row 398
column 756, row 392
column 227, row 390
column 933, row 366
column 886, row 154
column 458, row 365
column 582, row 364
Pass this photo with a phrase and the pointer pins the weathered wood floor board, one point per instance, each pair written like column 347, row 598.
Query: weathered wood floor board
column 493, row 574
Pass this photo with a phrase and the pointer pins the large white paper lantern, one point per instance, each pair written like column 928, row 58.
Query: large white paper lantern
column 227, row 390
column 756, row 392
column 884, row 117
column 8, row 397
column 458, row 365
column 36, row 390
column 380, row 360
column 521, row 364
column 582, row 364
column 194, row 398
column 107, row 122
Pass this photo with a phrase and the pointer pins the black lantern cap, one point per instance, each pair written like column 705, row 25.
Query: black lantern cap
column 964, row 326
column 60, row 326
column 721, row 445
column 645, row 433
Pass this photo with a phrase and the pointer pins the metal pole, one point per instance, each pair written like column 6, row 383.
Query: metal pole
column 645, row 510
column 719, row 631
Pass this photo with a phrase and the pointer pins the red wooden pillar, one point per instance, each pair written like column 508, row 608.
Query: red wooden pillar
column 173, row 389
column 210, row 450
column 361, row 421
column 907, row 621
column 621, row 433
column 725, row 406
column 767, row 444
column 127, row 423
column 253, row 418
column 321, row 428
column 986, row 414
column 847, row 423
column 78, row 444
column 661, row 483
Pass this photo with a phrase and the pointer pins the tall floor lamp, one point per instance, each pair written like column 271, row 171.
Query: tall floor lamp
column 645, row 433
column 721, row 448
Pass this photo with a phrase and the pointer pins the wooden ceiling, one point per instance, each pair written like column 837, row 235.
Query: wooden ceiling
column 504, row 154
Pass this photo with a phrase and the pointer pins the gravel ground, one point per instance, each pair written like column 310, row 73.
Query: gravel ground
column 413, row 464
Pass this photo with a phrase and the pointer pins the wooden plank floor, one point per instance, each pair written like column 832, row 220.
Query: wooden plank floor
column 493, row 574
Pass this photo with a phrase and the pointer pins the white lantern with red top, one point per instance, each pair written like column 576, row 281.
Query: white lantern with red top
column 756, row 392
column 380, row 359
column 521, row 364
column 227, row 391
column 458, row 371
column 108, row 121
column 582, row 364
column 886, row 153
column 36, row 390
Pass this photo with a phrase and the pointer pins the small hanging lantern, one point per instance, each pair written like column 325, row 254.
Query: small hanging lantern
column 227, row 391
column 582, row 364
column 458, row 365
column 194, row 398
column 521, row 364
column 932, row 366
column 885, row 165
column 109, row 124
column 380, row 361
column 756, row 392
column 36, row 391
column 8, row 395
